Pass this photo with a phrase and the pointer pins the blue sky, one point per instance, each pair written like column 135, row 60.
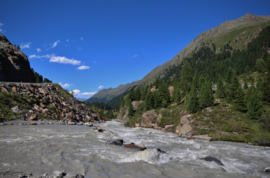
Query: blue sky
column 90, row 45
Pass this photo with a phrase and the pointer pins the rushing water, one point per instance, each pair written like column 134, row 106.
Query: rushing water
column 80, row 149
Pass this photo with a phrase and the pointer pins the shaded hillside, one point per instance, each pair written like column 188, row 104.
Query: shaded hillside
column 107, row 94
column 14, row 64
column 239, row 32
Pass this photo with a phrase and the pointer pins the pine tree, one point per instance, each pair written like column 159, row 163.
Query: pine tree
column 164, row 93
column 137, row 94
column 130, row 109
column 149, row 101
column 206, row 97
column 132, row 95
column 122, row 102
column 186, row 77
column 201, row 81
column 220, row 88
column 193, row 101
column 239, row 103
column 245, row 85
column 144, row 93
column 229, row 75
column 195, row 81
column 233, row 87
column 254, row 106
column 156, row 98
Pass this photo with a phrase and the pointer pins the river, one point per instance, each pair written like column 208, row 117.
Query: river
column 80, row 149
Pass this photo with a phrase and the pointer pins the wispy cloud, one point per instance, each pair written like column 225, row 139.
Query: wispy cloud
column 67, row 40
column 43, row 56
column 1, row 30
column 55, row 44
column 57, row 59
column 83, row 67
column 79, row 94
column 101, row 86
column 66, row 85
column 25, row 45
column 38, row 50
column 81, row 38
column 95, row 62
column 134, row 55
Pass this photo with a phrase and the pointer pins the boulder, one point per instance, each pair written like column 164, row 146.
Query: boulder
column 33, row 117
column 147, row 117
column 98, row 129
column 136, row 104
column 133, row 145
column 119, row 142
column 171, row 90
column 14, row 89
column 184, row 127
column 212, row 159
column 71, row 123
column 4, row 90
column 15, row 109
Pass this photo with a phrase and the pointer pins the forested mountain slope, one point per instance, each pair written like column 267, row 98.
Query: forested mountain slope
column 237, row 32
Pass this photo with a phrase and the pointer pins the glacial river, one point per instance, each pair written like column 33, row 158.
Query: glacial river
column 80, row 149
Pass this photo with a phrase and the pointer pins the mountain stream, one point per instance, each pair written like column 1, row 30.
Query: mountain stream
column 80, row 149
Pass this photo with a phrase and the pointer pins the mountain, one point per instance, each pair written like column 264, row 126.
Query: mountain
column 106, row 95
column 240, row 31
column 14, row 64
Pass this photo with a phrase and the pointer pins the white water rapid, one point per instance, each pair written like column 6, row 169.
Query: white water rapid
column 80, row 149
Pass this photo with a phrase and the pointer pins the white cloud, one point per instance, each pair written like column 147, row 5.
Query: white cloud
column 1, row 30
column 81, row 38
column 67, row 40
column 88, row 93
column 25, row 45
column 135, row 55
column 55, row 44
column 64, row 60
column 58, row 59
column 38, row 50
column 83, row 67
column 101, row 86
column 78, row 93
column 95, row 62
column 66, row 85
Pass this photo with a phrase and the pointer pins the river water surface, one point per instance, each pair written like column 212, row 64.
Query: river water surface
column 80, row 149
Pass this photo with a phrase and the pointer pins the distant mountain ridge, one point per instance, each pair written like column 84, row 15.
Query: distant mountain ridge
column 106, row 95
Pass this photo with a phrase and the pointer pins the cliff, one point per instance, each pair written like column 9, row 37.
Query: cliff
column 14, row 64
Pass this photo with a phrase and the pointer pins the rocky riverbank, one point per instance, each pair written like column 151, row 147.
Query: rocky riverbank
column 38, row 102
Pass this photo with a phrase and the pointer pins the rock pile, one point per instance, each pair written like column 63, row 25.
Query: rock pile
column 50, row 104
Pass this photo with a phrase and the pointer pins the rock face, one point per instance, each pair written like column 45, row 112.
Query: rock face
column 50, row 103
column 14, row 64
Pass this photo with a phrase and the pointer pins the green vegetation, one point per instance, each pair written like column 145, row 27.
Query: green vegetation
column 237, row 114
column 9, row 100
